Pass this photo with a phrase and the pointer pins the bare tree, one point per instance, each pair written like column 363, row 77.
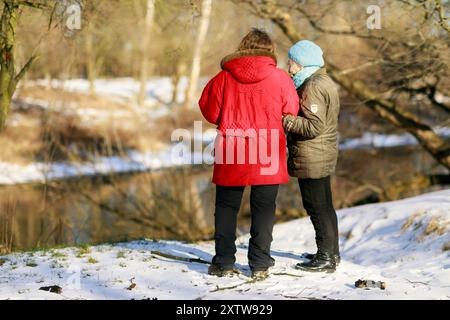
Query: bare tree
column 11, row 14
column 91, row 61
column 96, row 38
column 410, row 60
column 146, row 36
column 9, row 75
column 196, row 60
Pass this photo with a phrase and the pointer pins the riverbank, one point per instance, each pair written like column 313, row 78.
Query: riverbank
column 404, row 243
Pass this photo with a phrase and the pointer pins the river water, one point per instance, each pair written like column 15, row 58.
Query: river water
column 170, row 203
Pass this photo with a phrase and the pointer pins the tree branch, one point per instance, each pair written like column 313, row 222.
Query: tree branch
column 36, row 5
column 443, row 20
column 318, row 27
column 430, row 93
column 387, row 110
column 184, row 259
column 25, row 68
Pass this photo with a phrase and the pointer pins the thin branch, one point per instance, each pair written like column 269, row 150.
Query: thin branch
column 184, row 259
column 36, row 5
column 52, row 15
column 316, row 26
column 286, row 274
column 234, row 286
column 25, row 68
column 430, row 93
column 443, row 20
column 372, row 63
column 386, row 109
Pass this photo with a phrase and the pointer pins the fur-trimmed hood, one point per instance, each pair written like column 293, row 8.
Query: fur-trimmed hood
column 250, row 66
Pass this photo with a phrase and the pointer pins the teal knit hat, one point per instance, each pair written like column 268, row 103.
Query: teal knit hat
column 306, row 53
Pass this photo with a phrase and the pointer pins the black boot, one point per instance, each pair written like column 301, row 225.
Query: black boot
column 310, row 256
column 220, row 271
column 322, row 262
column 260, row 274
column 337, row 258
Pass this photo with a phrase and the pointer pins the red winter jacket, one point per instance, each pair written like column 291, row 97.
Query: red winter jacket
column 247, row 100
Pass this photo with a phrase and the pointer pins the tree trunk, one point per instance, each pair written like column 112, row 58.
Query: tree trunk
column 48, row 81
column 90, row 63
column 7, row 72
column 387, row 110
column 9, row 78
column 146, row 34
column 196, row 61
column 180, row 70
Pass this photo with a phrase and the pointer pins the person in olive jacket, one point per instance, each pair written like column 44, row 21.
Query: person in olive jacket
column 313, row 149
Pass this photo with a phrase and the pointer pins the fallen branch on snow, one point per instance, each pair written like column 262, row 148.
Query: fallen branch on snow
column 184, row 259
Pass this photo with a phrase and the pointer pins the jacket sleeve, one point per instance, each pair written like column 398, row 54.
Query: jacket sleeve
column 314, row 107
column 212, row 97
column 289, row 97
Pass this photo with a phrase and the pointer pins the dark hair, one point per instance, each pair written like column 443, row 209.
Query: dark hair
column 257, row 39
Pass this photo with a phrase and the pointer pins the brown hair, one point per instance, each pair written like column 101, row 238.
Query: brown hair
column 257, row 39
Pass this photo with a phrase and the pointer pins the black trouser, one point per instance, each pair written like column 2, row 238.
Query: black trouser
column 262, row 205
column 318, row 203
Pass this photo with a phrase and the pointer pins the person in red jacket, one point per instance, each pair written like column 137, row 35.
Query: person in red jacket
column 247, row 100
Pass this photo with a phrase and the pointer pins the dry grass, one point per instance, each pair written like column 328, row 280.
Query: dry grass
column 411, row 221
column 7, row 225
column 348, row 235
column 433, row 226
column 66, row 138
column 72, row 98
column 180, row 118
column 287, row 214
column 20, row 143
column 446, row 246
column 63, row 133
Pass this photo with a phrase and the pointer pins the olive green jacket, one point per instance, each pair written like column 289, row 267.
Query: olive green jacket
column 312, row 135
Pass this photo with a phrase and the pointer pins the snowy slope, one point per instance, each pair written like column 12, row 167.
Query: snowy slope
column 404, row 243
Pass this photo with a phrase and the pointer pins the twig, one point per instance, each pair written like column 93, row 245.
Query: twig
column 36, row 5
column 170, row 256
column 305, row 298
column 417, row 282
column 286, row 274
column 235, row 286
column 442, row 17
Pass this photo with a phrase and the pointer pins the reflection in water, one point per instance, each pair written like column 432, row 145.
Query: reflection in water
column 170, row 204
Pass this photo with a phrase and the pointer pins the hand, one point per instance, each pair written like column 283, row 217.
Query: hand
column 288, row 122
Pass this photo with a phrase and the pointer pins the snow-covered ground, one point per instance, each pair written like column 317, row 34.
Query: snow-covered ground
column 159, row 90
column 404, row 243
column 121, row 89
